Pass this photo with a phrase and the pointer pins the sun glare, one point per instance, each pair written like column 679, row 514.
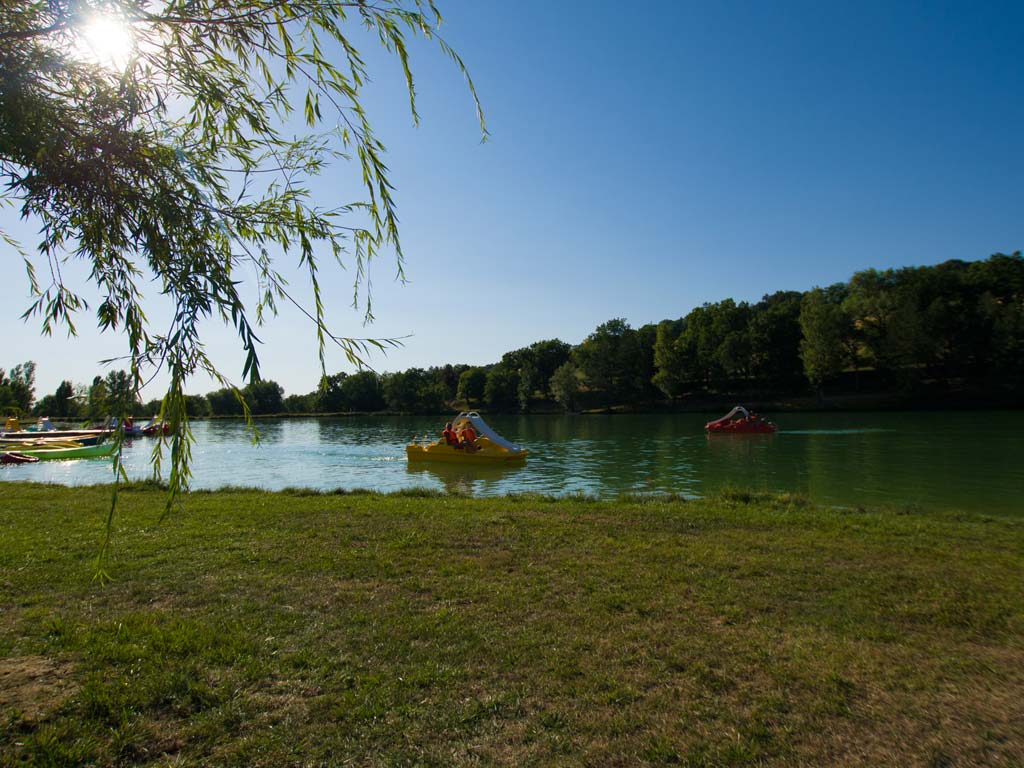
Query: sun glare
column 107, row 41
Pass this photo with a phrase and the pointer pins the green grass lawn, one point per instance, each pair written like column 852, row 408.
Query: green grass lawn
column 271, row 629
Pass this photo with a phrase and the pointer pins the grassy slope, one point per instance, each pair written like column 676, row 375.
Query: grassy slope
column 273, row 629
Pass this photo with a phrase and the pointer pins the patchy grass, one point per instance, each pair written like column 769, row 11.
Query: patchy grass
column 296, row 628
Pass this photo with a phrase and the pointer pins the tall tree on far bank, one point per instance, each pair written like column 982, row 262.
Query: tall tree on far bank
column 548, row 356
column 533, row 367
column 775, row 339
column 265, row 397
column 471, row 385
column 413, row 391
column 565, row 386
column 612, row 363
column 61, row 404
column 226, row 401
column 112, row 395
column 18, row 387
column 362, row 392
column 331, row 396
column 501, row 390
column 823, row 324
column 669, row 364
column 96, row 407
column 121, row 396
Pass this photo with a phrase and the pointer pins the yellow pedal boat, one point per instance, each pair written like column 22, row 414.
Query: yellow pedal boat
column 491, row 448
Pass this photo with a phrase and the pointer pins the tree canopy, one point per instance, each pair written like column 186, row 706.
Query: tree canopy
column 173, row 165
column 952, row 332
column 17, row 388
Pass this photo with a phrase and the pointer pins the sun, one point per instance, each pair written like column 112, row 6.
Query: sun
column 107, row 41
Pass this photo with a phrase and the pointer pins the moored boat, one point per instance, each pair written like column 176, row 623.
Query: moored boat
column 17, row 445
column 12, row 457
column 44, row 429
column 488, row 448
column 50, row 441
column 127, row 426
column 740, row 421
column 155, row 428
column 61, row 454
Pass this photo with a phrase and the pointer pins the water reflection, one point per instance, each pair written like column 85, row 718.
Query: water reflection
column 467, row 480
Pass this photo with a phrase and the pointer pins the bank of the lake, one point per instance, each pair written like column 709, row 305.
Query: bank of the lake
column 254, row 628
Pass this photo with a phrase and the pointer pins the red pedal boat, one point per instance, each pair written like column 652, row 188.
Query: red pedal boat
column 740, row 421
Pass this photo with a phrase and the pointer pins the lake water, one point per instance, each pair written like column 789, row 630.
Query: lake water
column 966, row 460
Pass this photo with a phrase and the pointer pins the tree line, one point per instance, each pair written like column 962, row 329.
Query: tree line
column 953, row 327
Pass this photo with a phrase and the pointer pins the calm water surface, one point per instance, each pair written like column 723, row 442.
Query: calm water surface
column 967, row 460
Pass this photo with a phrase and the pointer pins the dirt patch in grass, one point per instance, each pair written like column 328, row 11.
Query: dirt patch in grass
column 33, row 685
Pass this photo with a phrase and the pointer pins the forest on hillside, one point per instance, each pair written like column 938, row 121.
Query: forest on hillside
column 952, row 331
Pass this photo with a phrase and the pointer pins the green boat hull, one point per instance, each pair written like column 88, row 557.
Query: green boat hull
column 62, row 454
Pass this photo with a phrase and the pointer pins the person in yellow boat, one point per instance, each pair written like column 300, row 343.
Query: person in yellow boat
column 449, row 435
column 468, row 438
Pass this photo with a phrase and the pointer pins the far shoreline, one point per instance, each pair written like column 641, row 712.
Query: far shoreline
column 888, row 403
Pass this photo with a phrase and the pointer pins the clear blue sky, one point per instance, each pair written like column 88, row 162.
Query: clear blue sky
column 646, row 158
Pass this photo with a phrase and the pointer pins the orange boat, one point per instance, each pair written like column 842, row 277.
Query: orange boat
column 740, row 421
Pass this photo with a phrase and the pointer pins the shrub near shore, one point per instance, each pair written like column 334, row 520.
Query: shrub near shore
column 286, row 628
